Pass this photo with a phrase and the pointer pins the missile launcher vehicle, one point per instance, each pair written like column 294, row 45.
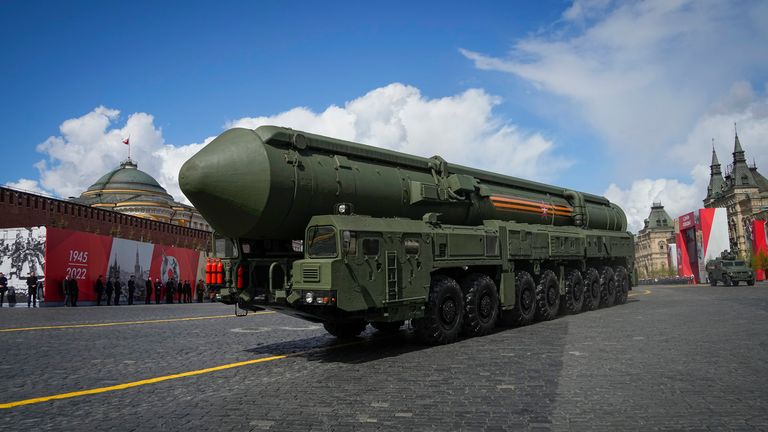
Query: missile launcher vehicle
column 348, row 235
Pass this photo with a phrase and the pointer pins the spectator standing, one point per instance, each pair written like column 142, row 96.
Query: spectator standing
column 179, row 289
column 99, row 288
column 65, row 290
column 32, row 289
column 110, row 289
column 158, row 290
column 131, row 289
column 200, row 290
column 74, row 291
column 148, row 291
column 118, row 290
column 187, row 292
column 169, row 287
column 3, row 288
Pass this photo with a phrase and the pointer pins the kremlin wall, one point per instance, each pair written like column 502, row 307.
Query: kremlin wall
column 124, row 225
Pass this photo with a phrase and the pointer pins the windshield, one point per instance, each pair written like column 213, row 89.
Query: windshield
column 739, row 264
column 727, row 263
column 321, row 242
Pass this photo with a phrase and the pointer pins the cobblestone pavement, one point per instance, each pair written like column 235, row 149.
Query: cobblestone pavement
column 673, row 358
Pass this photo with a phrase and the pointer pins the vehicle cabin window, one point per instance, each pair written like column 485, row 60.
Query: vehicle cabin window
column 739, row 263
column 727, row 264
column 349, row 242
column 321, row 242
column 411, row 246
column 370, row 247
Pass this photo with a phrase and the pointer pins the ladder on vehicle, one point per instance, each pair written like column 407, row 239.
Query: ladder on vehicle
column 391, row 263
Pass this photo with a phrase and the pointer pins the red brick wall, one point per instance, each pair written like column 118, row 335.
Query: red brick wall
column 24, row 209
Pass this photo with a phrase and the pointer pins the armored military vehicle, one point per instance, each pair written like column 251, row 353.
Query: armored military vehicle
column 729, row 270
column 349, row 235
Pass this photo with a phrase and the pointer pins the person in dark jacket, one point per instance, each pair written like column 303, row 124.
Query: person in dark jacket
column 148, row 291
column 3, row 287
column 187, row 292
column 200, row 290
column 158, row 290
column 32, row 289
column 118, row 290
column 131, row 289
column 99, row 288
column 179, row 288
column 109, row 290
column 74, row 291
column 169, row 288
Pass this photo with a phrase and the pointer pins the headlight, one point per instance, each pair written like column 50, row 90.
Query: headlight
column 308, row 297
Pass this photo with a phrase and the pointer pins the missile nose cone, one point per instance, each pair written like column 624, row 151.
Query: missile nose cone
column 227, row 180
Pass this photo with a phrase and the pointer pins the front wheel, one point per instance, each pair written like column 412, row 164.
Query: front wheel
column 712, row 280
column 481, row 304
column 574, row 292
column 622, row 285
column 524, row 310
column 547, row 296
column 608, row 287
column 442, row 319
column 751, row 282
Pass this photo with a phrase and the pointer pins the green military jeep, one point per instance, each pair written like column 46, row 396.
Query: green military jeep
column 729, row 270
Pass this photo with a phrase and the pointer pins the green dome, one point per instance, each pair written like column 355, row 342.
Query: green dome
column 127, row 177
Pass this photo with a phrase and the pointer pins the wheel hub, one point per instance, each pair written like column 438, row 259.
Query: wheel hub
column 485, row 306
column 526, row 300
column 448, row 311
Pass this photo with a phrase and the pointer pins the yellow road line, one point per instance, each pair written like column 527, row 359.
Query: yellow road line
column 163, row 378
column 645, row 292
column 66, row 326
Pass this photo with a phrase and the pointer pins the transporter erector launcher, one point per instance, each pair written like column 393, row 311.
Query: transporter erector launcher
column 389, row 237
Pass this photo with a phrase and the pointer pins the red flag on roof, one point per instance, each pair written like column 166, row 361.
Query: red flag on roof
column 127, row 141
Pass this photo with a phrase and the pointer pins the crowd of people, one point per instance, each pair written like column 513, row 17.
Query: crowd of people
column 112, row 291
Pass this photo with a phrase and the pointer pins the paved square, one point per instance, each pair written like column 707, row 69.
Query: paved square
column 673, row 358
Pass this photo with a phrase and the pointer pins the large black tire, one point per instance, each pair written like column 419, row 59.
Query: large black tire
column 726, row 280
column 751, row 282
column 591, row 289
column 574, row 292
column 712, row 280
column 481, row 304
column 735, row 283
column 388, row 327
column 607, row 287
column 345, row 330
column 547, row 296
column 524, row 310
column 622, row 285
column 443, row 316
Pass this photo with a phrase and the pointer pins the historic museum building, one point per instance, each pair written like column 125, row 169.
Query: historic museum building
column 652, row 244
column 743, row 192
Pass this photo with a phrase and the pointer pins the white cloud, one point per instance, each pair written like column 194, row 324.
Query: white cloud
column 27, row 185
column 640, row 73
column 461, row 128
column 657, row 80
column 677, row 197
column 91, row 145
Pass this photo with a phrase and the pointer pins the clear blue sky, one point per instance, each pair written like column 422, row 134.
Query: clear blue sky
column 196, row 65
column 617, row 98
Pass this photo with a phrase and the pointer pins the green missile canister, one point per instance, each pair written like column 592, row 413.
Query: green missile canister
column 267, row 183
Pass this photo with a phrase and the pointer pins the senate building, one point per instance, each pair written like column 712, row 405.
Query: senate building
column 126, row 189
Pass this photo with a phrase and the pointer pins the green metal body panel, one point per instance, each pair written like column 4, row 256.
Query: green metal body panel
column 267, row 183
column 413, row 217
